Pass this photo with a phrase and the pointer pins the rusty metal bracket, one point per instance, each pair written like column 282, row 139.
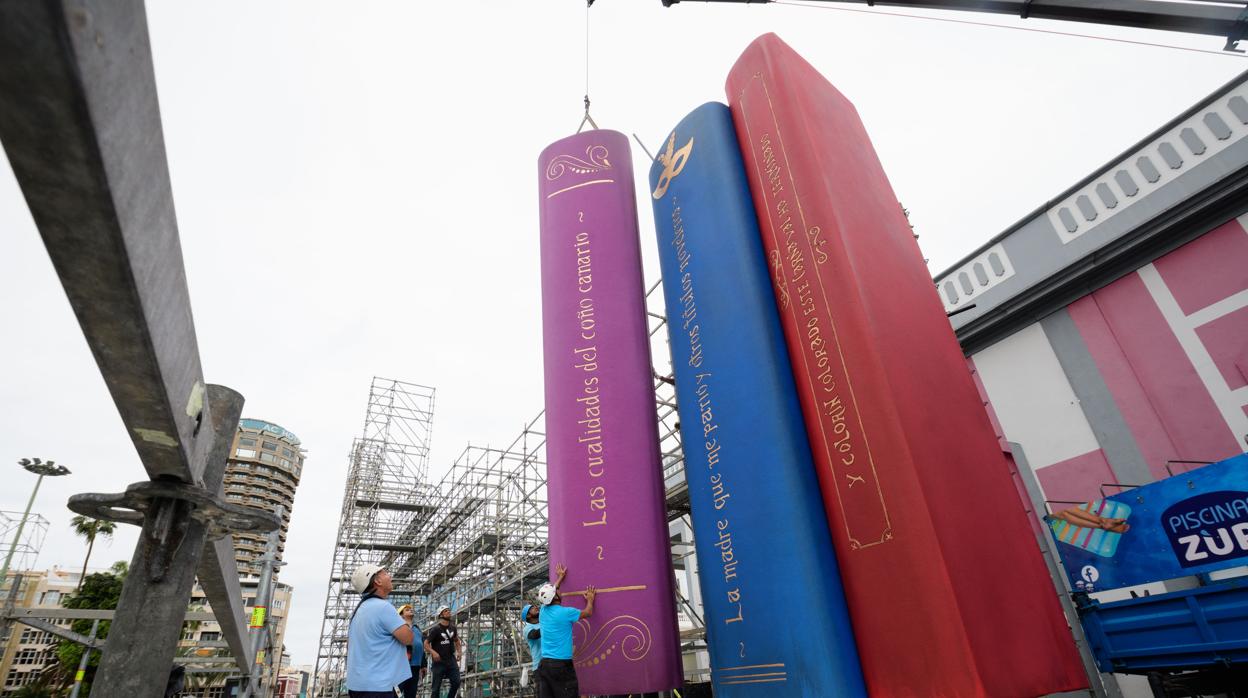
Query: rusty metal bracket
column 145, row 498
column 172, row 505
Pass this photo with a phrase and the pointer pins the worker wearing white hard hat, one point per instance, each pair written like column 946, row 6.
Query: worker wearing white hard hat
column 376, row 638
column 556, row 675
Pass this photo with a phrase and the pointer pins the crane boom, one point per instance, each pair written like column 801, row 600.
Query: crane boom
column 1213, row 17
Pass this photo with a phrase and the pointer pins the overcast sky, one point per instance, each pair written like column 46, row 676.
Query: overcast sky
column 355, row 186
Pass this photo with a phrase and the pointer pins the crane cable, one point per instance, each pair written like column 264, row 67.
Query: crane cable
column 792, row 3
column 587, row 119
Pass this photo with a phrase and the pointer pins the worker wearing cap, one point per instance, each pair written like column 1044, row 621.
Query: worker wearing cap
column 377, row 638
column 444, row 648
column 415, row 656
column 556, row 675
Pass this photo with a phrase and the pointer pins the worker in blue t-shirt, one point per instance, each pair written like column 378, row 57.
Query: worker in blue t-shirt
column 556, row 675
column 376, row 637
column 415, row 656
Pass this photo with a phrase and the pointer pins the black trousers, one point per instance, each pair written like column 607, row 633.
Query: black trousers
column 556, row 678
column 410, row 686
column 448, row 671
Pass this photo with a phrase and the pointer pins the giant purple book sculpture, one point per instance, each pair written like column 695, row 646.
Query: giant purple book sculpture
column 607, row 520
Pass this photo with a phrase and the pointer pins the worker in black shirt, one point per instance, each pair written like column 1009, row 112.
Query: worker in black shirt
column 444, row 648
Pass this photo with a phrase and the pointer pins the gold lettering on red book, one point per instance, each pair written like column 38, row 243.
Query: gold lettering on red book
column 797, row 254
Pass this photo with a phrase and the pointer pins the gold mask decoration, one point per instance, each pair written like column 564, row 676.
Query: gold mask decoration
column 673, row 162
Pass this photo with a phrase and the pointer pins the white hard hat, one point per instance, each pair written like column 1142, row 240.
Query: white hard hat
column 546, row 593
column 363, row 575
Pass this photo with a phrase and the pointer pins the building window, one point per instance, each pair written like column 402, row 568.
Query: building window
column 52, row 598
column 268, row 457
column 245, row 453
column 30, row 636
column 209, row 637
column 18, row 679
column 27, row 656
column 269, row 446
column 247, row 442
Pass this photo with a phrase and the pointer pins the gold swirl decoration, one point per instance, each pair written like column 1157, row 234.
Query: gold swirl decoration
column 625, row 635
column 782, row 290
column 595, row 161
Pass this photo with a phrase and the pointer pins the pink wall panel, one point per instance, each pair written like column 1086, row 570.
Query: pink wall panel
column 1129, row 395
column 1207, row 269
column 1226, row 339
column 1171, row 385
column 1077, row 479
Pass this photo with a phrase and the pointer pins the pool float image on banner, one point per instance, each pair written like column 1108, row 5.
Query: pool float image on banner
column 1095, row 526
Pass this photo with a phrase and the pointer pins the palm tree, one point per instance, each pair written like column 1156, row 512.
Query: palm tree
column 90, row 528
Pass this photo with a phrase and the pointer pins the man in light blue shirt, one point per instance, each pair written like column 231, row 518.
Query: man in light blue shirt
column 556, row 675
column 377, row 638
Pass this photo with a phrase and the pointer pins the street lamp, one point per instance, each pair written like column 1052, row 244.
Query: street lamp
column 42, row 469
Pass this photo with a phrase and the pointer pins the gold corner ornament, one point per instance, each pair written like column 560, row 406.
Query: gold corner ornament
column 595, row 160
column 673, row 162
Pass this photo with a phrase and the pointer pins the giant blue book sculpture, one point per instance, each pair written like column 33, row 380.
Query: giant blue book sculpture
column 775, row 613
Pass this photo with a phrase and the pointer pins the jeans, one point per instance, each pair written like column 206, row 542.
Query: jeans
column 449, row 671
column 556, row 678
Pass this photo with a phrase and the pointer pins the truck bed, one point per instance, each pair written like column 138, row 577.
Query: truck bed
column 1201, row 628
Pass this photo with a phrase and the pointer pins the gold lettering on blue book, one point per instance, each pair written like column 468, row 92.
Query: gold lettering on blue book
column 714, row 485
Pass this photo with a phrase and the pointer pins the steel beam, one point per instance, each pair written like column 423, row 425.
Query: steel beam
column 197, row 669
column 80, row 122
column 20, row 614
column 40, row 624
column 218, row 571
column 218, row 575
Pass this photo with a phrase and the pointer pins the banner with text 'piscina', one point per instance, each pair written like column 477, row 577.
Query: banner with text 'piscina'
column 607, row 518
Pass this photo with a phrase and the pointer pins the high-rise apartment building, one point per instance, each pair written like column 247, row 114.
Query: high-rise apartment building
column 262, row 471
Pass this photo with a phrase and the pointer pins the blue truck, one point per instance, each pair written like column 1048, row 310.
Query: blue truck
column 1189, row 642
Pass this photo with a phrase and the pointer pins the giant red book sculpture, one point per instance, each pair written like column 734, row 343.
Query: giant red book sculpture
column 943, row 577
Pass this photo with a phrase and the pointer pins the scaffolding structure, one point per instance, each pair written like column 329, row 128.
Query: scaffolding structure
column 385, row 501
column 25, row 551
column 478, row 545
